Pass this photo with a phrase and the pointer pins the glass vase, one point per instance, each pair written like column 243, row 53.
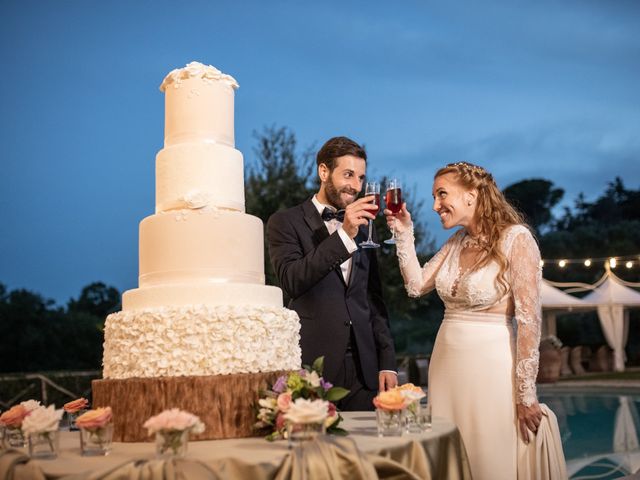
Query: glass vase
column 44, row 445
column 71, row 419
column 96, row 441
column 13, row 438
column 390, row 422
column 302, row 432
column 172, row 443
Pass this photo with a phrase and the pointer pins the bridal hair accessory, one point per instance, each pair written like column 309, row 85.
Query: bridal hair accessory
column 475, row 169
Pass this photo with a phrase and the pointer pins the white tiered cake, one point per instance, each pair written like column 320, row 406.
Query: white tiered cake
column 202, row 307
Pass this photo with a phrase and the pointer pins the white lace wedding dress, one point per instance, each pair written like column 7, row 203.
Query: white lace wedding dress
column 481, row 364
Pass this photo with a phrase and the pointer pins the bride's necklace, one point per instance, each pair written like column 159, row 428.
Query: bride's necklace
column 473, row 242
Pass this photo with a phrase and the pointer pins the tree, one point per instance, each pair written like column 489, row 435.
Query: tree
column 281, row 177
column 96, row 299
column 535, row 198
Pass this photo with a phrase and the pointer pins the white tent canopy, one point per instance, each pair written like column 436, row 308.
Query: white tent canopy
column 613, row 299
column 555, row 300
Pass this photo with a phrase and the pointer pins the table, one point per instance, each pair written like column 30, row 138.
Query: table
column 435, row 454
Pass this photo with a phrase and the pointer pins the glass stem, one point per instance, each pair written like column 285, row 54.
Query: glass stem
column 370, row 230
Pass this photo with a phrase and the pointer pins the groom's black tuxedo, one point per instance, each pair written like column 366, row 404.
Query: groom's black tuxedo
column 307, row 261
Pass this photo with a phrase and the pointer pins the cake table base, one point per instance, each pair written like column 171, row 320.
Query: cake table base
column 225, row 403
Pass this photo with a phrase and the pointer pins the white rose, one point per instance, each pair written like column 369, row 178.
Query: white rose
column 30, row 405
column 42, row 419
column 194, row 68
column 307, row 411
column 314, row 379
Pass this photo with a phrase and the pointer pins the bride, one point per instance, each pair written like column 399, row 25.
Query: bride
column 483, row 371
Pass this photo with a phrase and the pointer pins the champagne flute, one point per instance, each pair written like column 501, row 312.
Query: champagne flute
column 372, row 188
column 393, row 200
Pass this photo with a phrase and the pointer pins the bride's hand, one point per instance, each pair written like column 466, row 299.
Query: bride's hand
column 400, row 221
column 529, row 419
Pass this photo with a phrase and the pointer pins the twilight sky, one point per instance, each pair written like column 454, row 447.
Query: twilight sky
column 527, row 89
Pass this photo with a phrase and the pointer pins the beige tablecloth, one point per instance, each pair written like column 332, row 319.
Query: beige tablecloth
column 436, row 454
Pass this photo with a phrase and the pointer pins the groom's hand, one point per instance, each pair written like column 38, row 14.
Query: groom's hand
column 387, row 380
column 356, row 214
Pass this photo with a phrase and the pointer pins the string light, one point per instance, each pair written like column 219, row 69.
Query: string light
column 629, row 261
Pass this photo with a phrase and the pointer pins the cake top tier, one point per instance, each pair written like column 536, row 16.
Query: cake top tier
column 208, row 73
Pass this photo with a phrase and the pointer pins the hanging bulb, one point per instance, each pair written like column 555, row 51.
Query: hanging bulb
column 587, row 262
column 562, row 263
column 629, row 264
column 541, row 263
column 613, row 262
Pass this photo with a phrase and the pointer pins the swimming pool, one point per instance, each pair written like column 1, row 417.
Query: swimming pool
column 599, row 430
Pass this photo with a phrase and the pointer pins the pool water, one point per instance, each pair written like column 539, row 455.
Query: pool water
column 599, row 431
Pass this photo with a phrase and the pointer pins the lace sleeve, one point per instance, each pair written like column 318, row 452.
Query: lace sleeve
column 526, row 279
column 418, row 280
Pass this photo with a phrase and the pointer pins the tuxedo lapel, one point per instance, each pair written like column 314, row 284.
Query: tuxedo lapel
column 313, row 219
column 319, row 231
column 356, row 258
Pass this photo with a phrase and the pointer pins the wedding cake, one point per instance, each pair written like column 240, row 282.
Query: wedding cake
column 202, row 307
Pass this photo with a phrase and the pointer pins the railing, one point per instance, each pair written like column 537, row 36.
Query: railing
column 50, row 387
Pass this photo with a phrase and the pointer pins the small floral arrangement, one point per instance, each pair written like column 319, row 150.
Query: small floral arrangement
column 170, row 425
column 76, row 405
column 13, row 418
column 42, row 420
column 298, row 397
column 95, row 419
column 398, row 398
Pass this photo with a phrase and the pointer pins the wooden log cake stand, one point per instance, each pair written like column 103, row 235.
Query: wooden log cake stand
column 226, row 404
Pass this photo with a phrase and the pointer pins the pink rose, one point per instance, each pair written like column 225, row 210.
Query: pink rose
column 280, row 421
column 13, row 417
column 97, row 418
column 284, row 401
column 76, row 405
column 174, row 419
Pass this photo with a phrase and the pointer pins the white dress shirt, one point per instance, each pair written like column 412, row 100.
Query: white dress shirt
column 332, row 226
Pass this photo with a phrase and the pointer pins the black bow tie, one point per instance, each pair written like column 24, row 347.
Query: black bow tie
column 328, row 214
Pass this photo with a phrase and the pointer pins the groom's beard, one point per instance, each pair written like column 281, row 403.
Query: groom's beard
column 333, row 195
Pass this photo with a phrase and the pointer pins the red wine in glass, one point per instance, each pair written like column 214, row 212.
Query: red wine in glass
column 372, row 188
column 374, row 207
column 393, row 199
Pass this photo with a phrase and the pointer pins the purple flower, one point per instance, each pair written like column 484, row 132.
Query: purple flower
column 325, row 385
column 281, row 384
column 302, row 372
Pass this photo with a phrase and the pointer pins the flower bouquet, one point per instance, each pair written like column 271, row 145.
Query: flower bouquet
column 74, row 409
column 172, row 428
column 12, row 420
column 291, row 401
column 399, row 408
column 40, row 426
column 96, row 431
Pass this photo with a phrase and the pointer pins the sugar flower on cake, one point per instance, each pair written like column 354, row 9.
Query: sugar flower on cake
column 301, row 396
column 13, row 417
column 174, row 419
column 41, row 420
column 76, row 405
column 95, row 419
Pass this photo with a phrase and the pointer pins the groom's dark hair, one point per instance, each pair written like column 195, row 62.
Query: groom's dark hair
column 337, row 147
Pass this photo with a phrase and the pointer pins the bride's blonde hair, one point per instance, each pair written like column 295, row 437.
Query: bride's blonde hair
column 494, row 213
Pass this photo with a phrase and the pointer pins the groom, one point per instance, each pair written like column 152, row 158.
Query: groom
column 334, row 286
